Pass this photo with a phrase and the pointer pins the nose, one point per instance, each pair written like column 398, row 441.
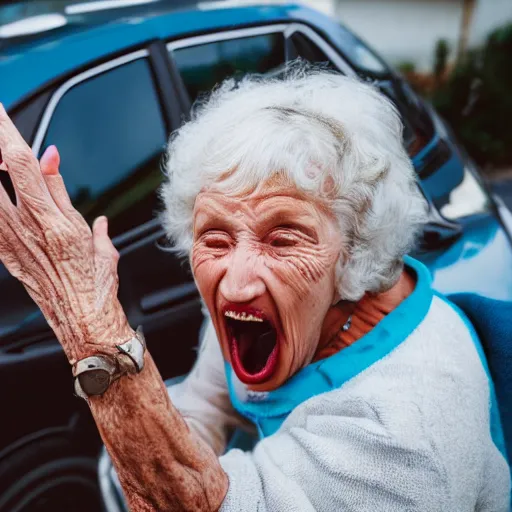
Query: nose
column 242, row 282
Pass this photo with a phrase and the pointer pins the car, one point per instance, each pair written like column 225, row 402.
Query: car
column 107, row 87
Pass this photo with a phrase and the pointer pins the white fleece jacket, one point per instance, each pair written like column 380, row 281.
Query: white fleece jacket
column 409, row 433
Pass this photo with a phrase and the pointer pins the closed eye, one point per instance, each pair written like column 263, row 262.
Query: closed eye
column 283, row 241
column 216, row 240
column 284, row 236
column 217, row 244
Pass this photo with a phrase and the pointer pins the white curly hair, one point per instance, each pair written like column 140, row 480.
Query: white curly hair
column 336, row 138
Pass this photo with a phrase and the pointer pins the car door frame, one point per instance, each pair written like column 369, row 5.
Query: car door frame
column 173, row 104
column 43, row 350
column 285, row 28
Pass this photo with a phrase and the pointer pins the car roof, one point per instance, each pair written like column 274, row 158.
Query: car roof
column 31, row 63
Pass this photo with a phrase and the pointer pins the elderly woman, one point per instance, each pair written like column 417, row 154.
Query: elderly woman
column 296, row 204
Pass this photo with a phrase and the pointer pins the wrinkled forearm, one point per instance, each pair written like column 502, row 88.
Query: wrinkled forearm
column 71, row 273
column 161, row 463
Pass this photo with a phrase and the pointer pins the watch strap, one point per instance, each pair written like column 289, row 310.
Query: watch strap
column 134, row 349
column 94, row 374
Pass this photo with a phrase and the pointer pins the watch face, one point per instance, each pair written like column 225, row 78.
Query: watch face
column 94, row 382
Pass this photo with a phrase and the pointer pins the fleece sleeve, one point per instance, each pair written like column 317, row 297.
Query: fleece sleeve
column 339, row 458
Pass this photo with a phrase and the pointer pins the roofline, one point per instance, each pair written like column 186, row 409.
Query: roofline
column 122, row 37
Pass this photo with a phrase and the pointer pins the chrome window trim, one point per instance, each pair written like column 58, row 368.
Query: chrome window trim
column 214, row 37
column 72, row 82
column 333, row 55
column 284, row 28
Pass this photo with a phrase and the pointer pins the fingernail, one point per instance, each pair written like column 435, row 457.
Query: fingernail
column 50, row 161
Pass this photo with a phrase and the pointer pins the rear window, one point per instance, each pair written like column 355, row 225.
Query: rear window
column 206, row 65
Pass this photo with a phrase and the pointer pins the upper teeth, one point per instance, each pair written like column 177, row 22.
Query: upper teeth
column 242, row 316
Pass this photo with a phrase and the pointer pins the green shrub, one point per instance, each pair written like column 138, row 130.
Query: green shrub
column 441, row 53
column 406, row 67
column 477, row 100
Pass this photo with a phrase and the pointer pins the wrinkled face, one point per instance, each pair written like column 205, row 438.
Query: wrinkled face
column 265, row 266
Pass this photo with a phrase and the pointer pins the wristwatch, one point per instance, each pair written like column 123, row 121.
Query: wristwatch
column 94, row 375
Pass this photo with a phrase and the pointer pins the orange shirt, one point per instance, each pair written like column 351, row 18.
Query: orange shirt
column 366, row 314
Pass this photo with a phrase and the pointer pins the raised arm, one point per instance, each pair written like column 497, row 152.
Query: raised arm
column 71, row 273
column 162, row 464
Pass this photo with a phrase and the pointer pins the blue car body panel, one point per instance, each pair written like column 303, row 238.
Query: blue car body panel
column 36, row 65
column 480, row 261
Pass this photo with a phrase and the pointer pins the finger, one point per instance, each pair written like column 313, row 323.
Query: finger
column 50, row 161
column 21, row 163
column 49, row 165
column 3, row 167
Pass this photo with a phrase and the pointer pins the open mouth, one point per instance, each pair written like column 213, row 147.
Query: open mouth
column 253, row 345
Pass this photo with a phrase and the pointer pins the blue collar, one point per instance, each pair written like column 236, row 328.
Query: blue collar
column 268, row 410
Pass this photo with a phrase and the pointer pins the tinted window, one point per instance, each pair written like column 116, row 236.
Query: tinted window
column 204, row 66
column 362, row 58
column 110, row 134
column 418, row 129
column 305, row 48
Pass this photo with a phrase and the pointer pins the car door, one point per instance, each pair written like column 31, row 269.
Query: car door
column 111, row 127
column 110, row 124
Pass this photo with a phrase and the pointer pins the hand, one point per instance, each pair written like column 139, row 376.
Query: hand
column 69, row 271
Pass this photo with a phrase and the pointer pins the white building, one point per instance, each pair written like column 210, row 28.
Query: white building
column 407, row 30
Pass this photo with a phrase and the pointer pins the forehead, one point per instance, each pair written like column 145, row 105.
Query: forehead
column 268, row 200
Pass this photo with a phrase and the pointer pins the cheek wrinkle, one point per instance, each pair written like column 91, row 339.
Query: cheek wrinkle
column 306, row 266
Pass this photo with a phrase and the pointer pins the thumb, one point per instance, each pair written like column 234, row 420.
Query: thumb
column 105, row 265
column 103, row 246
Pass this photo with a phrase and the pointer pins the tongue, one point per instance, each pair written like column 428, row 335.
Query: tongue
column 255, row 351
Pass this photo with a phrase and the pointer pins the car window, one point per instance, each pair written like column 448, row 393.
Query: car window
column 362, row 58
column 204, row 66
column 418, row 129
column 110, row 134
column 306, row 49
